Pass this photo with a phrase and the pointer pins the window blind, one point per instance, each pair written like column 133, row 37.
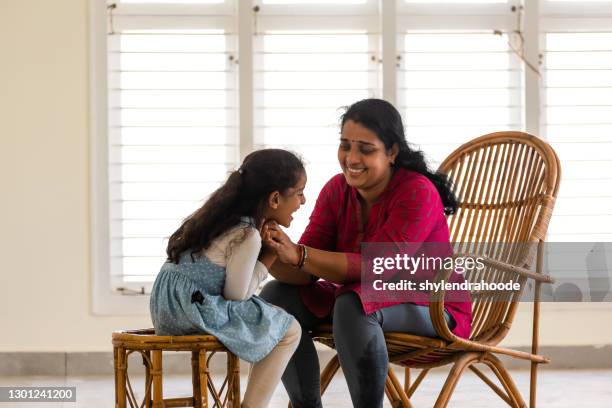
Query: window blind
column 578, row 124
column 456, row 85
column 172, row 131
column 306, row 70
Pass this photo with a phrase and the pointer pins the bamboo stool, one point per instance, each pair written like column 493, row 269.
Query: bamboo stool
column 150, row 347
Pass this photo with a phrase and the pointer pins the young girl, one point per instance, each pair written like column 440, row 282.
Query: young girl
column 216, row 262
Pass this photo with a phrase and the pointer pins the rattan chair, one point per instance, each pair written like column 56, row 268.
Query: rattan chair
column 150, row 347
column 507, row 183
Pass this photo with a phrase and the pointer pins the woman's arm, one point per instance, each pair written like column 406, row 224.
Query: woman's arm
column 281, row 272
column 288, row 274
column 328, row 265
column 411, row 219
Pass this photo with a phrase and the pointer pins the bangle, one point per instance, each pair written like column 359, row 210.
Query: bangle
column 304, row 256
column 300, row 261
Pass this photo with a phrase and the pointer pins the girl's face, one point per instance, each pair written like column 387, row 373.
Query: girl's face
column 282, row 206
column 364, row 160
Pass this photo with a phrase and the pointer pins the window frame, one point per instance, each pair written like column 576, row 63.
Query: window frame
column 540, row 16
column 105, row 300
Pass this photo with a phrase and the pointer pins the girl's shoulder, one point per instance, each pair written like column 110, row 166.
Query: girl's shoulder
column 244, row 230
column 243, row 235
column 246, row 221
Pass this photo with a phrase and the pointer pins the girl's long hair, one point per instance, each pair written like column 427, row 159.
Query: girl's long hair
column 245, row 193
column 382, row 118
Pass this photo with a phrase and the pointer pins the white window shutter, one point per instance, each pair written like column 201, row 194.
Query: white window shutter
column 457, row 85
column 578, row 124
column 308, row 65
column 172, row 129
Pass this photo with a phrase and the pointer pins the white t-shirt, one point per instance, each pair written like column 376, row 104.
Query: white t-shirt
column 243, row 272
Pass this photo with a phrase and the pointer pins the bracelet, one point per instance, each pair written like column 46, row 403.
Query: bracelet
column 304, row 256
column 300, row 262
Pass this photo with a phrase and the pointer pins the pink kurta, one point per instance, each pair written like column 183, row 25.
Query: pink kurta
column 409, row 210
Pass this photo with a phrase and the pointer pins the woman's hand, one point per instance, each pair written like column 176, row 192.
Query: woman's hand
column 275, row 238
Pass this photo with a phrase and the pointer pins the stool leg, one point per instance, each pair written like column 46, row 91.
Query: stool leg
column 195, row 379
column 233, row 370
column 203, row 367
column 156, row 372
column 120, row 369
column 115, row 373
column 147, row 396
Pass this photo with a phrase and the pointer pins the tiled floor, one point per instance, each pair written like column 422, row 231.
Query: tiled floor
column 557, row 389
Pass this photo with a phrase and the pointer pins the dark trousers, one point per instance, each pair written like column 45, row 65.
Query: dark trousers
column 359, row 339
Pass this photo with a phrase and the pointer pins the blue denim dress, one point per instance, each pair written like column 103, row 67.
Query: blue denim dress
column 187, row 298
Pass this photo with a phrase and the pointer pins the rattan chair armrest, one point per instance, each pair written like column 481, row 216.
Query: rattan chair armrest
column 515, row 269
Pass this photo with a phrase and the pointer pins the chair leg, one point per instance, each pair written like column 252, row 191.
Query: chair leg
column 195, row 380
column 406, row 379
column 120, row 372
column 156, row 373
column 533, row 385
column 506, row 380
column 400, row 393
column 392, row 394
column 453, row 377
column 328, row 372
column 410, row 391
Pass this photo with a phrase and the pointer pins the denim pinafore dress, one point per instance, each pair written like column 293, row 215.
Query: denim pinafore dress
column 187, row 298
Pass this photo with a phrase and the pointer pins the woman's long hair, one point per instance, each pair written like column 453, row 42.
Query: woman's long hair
column 385, row 121
column 245, row 193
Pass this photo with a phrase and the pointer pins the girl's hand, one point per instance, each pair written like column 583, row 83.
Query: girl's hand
column 265, row 233
column 285, row 249
column 267, row 256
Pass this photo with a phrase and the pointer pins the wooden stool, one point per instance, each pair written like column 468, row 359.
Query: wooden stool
column 150, row 347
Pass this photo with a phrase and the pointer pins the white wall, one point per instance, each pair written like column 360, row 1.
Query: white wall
column 45, row 282
column 45, row 297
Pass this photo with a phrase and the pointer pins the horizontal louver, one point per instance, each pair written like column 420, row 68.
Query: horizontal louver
column 456, row 86
column 303, row 78
column 578, row 124
column 172, row 135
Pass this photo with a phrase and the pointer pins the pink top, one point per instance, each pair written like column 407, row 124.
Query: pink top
column 409, row 210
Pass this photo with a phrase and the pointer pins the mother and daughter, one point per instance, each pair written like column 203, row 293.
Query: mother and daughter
column 225, row 250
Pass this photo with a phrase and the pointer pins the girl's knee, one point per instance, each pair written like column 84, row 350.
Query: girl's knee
column 294, row 333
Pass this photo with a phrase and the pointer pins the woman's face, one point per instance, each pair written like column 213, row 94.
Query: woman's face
column 365, row 162
column 288, row 203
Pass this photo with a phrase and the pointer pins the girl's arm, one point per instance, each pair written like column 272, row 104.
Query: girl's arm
column 243, row 270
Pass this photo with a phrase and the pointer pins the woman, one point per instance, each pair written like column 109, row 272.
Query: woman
column 385, row 194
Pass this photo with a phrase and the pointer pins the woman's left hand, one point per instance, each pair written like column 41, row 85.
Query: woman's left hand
column 287, row 251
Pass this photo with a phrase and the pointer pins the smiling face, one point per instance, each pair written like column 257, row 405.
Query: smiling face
column 281, row 206
column 364, row 160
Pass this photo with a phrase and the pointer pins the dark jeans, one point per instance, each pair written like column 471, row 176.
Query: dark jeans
column 360, row 344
